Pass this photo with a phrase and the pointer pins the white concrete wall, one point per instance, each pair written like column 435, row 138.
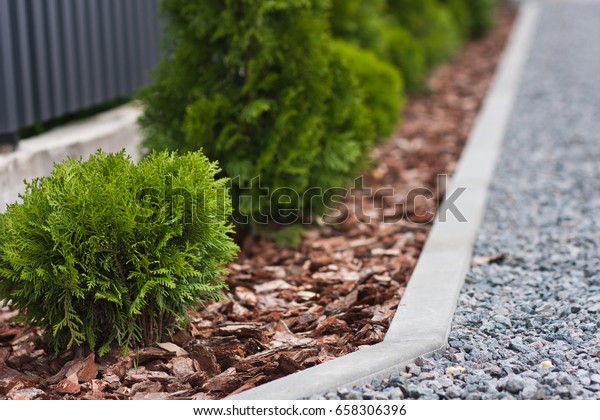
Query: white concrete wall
column 110, row 131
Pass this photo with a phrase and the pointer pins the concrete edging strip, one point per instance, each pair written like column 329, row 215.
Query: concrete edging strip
column 423, row 318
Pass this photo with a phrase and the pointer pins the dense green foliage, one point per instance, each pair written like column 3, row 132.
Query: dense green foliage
column 406, row 53
column 380, row 84
column 108, row 251
column 368, row 25
column 461, row 15
column 482, row 15
column 260, row 87
column 473, row 17
column 412, row 35
column 431, row 23
column 360, row 22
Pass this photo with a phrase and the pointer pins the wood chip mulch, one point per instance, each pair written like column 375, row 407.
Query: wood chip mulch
column 290, row 309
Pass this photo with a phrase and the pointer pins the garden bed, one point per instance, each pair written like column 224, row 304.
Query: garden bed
column 289, row 308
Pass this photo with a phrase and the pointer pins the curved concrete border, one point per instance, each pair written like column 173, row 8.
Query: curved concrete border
column 111, row 131
column 423, row 319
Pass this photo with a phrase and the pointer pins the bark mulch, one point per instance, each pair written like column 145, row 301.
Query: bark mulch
column 290, row 309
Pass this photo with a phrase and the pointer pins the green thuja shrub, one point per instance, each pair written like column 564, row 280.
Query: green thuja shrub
column 482, row 16
column 348, row 136
column 257, row 86
column 368, row 25
column 408, row 55
column 360, row 22
column 414, row 36
column 380, row 84
column 106, row 251
column 473, row 17
column 431, row 23
column 460, row 12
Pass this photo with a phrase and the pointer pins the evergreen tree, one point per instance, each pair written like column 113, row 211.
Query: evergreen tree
column 259, row 87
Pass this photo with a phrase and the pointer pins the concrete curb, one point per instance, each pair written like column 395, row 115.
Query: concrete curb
column 111, row 131
column 423, row 319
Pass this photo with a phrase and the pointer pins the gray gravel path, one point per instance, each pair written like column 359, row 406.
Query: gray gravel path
column 527, row 322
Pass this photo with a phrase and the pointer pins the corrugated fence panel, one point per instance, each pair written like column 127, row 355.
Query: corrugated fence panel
column 57, row 73
column 84, row 51
column 38, row 49
column 152, row 32
column 108, row 55
column 23, row 63
column 69, row 55
column 61, row 56
column 120, row 44
column 8, row 96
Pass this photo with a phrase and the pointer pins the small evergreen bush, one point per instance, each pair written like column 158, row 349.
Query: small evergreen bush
column 380, row 84
column 260, row 88
column 107, row 251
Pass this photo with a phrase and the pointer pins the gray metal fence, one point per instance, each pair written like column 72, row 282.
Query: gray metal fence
column 61, row 56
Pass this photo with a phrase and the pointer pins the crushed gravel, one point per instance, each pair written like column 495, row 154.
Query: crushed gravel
column 527, row 321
